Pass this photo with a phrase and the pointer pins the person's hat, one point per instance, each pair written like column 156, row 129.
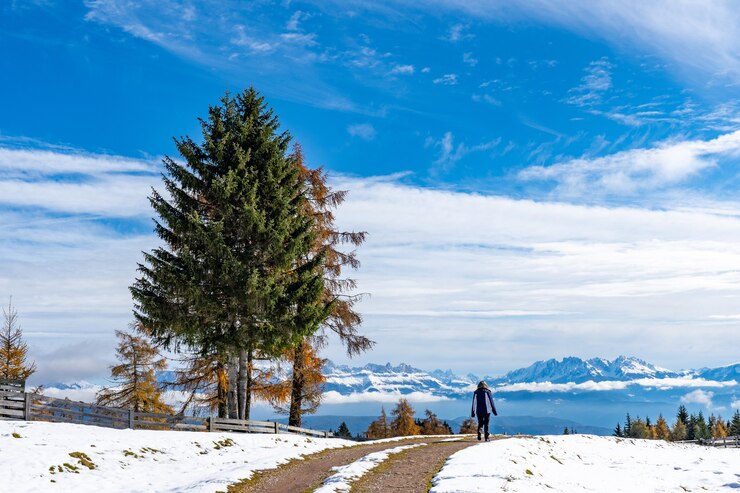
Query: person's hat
column 482, row 385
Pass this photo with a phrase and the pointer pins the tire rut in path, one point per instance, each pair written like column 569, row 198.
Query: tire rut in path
column 411, row 470
column 303, row 475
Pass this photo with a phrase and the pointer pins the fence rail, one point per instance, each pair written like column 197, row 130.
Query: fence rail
column 16, row 403
column 725, row 442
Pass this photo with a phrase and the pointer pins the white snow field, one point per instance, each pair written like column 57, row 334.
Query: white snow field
column 342, row 480
column 586, row 463
column 138, row 460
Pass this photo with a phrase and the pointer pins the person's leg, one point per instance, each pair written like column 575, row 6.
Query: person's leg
column 480, row 425
column 485, row 428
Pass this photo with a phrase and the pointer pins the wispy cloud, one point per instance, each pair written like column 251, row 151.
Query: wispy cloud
column 386, row 397
column 696, row 37
column 593, row 85
column 402, row 70
column 365, row 131
column 469, row 59
column 449, row 153
column 458, row 32
column 633, row 171
column 446, row 79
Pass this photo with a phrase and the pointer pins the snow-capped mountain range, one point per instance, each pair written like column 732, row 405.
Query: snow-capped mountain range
column 545, row 376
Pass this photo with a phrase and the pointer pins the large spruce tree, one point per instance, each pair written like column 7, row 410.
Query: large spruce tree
column 237, row 276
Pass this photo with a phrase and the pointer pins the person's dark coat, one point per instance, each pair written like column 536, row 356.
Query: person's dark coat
column 483, row 403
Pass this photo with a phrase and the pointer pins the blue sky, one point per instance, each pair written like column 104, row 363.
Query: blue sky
column 538, row 180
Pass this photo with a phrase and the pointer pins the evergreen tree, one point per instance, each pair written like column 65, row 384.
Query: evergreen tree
column 565, row 431
column 617, row 431
column 679, row 431
column 13, row 349
column 199, row 379
column 135, row 377
column 380, row 428
column 468, row 427
column 734, row 428
column 691, row 428
column 403, row 420
column 343, row 431
column 237, row 276
column 628, row 426
column 661, row 429
column 701, row 428
column 682, row 415
column 342, row 319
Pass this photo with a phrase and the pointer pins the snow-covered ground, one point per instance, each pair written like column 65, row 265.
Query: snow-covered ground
column 36, row 457
column 587, row 463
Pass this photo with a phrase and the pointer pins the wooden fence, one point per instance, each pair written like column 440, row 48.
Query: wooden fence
column 15, row 403
column 726, row 442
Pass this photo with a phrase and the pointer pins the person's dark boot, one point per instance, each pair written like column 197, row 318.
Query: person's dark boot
column 479, row 435
column 487, row 435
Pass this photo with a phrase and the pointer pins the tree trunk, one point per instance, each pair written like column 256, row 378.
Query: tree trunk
column 233, row 388
column 248, row 386
column 296, row 394
column 222, row 391
column 242, row 384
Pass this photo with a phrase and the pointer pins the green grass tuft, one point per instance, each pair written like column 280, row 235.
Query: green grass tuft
column 16, row 434
column 528, row 472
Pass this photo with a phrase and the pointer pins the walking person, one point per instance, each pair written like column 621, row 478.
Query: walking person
column 483, row 406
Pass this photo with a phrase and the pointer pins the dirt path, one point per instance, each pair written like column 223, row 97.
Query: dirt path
column 411, row 471
column 305, row 475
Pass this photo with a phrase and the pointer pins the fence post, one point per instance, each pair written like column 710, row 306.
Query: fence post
column 277, row 430
column 131, row 418
column 210, row 423
column 326, row 434
column 27, row 406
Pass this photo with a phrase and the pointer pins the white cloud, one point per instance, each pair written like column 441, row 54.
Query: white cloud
column 638, row 170
column 735, row 404
column 446, row 79
column 334, row 397
column 469, row 59
column 592, row 386
column 698, row 396
column 457, row 33
column 365, row 131
column 475, row 271
column 426, row 70
column 402, row 70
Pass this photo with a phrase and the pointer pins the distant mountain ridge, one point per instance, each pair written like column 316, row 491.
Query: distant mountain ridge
column 405, row 379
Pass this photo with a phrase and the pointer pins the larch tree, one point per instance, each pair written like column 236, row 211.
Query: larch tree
column 305, row 385
column 718, row 428
column 403, row 420
column 135, row 379
column 238, row 277
column 432, row 425
column 468, row 426
column 380, row 428
column 679, row 431
column 14, row 363
column 338, row 293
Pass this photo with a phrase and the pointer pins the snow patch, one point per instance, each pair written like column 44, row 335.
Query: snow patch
column 342, row 480
column 588, row 463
